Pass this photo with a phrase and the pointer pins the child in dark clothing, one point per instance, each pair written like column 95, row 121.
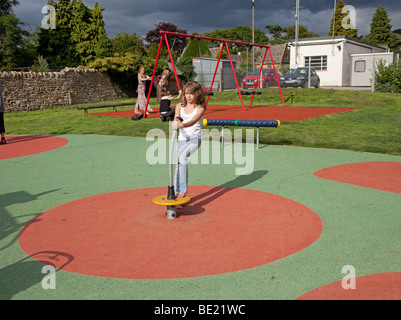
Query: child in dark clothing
column 164, row 98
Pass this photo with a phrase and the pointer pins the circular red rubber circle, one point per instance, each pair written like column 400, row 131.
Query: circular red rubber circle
column 19, row 146
column 380, row 286
column 124, row 235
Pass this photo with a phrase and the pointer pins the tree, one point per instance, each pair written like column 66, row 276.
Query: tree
column 79, row 37
column 12, row 36
column 281, row 35
column 303, row 32
column 56, row 44
column 277, row 32
column 380, row 31
column 88, row 33
column 175, row 43
column 339, row 17
column 127, row 62
column 6, row 6
column 380, row 27
column 239, row 33
column 163, row 54
column 397, row 43
column 13, row 42
column 123, row 43
column 123, row 69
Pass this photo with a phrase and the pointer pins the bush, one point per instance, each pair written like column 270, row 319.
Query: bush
column 187, row 69
column 40, row 65
column 123, row 70
column 388, row 77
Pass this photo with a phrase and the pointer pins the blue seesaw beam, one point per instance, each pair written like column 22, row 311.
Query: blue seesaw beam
column 241, row 123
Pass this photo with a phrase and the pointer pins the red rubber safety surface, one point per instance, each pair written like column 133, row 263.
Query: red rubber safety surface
column 379, row 175
column 251, row 113
column 381, row 286
column 124, row 235
column 19, row 146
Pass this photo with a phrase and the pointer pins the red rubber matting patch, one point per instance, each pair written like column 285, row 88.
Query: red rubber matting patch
column 251, row 113
column 380, row 175
column 19, row 146
column 124, row 235
column 381, row 286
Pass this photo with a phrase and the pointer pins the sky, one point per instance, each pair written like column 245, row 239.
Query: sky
column 134, row 16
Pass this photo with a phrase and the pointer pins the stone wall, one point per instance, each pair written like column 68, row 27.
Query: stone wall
column 26, row 91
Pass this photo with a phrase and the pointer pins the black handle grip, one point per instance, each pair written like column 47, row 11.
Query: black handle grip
column 181, row 119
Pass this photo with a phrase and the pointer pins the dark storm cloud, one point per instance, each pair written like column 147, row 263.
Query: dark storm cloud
column 207, row 15
column 320, row 5
column 133, row 16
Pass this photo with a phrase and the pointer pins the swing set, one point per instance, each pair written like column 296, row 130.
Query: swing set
column 224, row 42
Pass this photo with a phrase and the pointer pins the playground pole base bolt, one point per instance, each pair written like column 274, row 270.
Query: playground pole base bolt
column 171, row 212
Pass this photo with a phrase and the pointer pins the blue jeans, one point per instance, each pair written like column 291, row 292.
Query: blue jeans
column 184, row 150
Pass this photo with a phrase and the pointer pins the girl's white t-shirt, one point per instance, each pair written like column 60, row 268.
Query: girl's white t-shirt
column 194, row 131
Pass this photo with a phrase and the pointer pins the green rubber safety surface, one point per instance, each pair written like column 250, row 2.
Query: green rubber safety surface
column 359, row 224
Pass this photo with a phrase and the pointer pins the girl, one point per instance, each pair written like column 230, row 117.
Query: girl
column 141, row 100
column 191, row 110
column 164, row 99
column 162, row 86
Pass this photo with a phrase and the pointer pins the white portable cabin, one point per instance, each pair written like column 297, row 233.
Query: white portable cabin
column 364, row 65
column 330, row 56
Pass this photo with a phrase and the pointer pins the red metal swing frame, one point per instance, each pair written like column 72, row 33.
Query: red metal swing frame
column 225, row 42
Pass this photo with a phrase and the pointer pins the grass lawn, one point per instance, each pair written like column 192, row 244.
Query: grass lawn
column 374, row 127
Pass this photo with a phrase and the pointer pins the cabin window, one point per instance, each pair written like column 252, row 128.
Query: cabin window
column 360, row 66
column 316, row 62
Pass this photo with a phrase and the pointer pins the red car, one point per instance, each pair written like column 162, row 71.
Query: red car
column 268, row 79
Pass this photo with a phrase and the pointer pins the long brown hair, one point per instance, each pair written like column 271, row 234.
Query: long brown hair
column 196, row 89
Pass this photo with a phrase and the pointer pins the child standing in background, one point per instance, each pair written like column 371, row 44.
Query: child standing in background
column 164, row 98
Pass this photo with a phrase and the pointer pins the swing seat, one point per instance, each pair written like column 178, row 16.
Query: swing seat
column 208, row 93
